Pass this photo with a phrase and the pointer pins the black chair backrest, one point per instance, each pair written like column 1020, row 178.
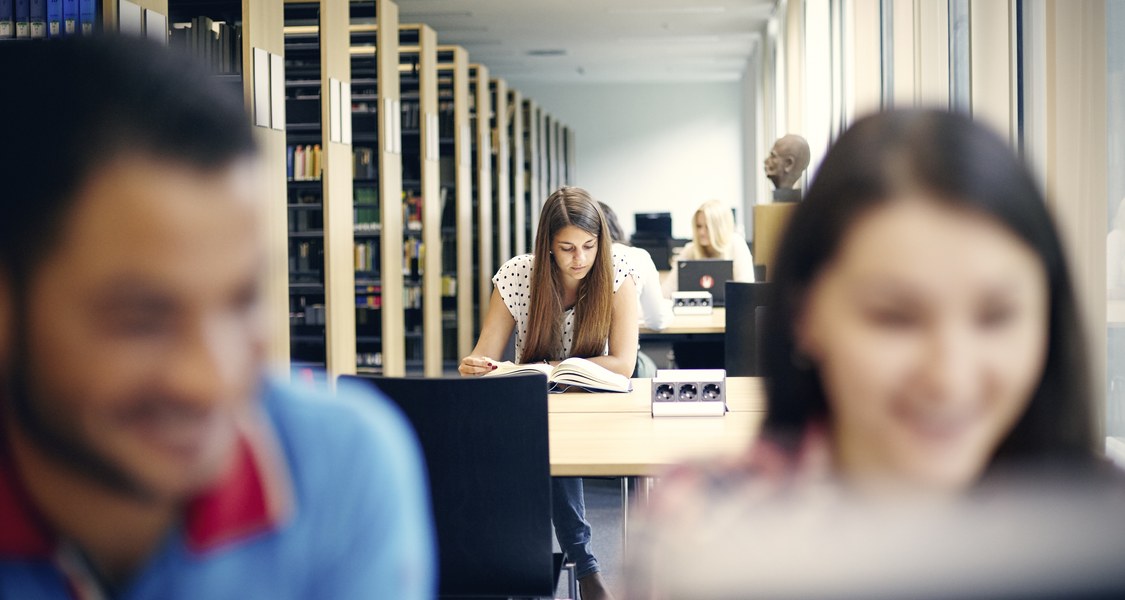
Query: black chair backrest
column 747, row 311
column 485, row 445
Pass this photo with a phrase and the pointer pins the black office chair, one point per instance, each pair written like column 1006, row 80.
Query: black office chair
column 747, row 310
column 485, row 445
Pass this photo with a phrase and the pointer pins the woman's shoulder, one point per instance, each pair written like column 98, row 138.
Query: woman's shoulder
column 688, row 251
column 767, row 469
column 624, row 265
column 521, row 263
column 513, row 280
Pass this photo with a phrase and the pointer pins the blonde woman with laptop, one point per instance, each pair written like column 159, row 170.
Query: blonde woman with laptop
column 713, row 236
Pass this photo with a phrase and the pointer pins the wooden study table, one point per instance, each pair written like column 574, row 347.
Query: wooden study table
column 712, row 324
column 615, row 434
column 744, row 394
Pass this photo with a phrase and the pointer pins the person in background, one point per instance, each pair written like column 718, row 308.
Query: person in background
column 573, row 297
column 655, row 310
column 144, row 453
column 713, row 236
column 926, row 345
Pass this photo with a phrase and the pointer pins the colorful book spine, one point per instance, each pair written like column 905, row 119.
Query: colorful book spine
column 7, row 20
column 38, row 18
column 70, row 17
column 299, row 164
column 23, row 18
column 87, row 14
column 54, row 18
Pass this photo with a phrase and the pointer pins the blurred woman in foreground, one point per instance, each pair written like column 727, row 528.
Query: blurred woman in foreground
column 925, row 343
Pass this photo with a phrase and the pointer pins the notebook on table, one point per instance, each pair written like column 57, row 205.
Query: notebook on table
column 706, row 275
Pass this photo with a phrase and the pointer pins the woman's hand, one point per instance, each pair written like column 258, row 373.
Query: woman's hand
column 476, row 365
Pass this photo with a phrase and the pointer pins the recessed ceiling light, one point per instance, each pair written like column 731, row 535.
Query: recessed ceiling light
column 673, row 39
column 547, row 52
column 444, row 14
column 667, row 10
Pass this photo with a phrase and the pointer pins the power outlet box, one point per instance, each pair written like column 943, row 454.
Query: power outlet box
column 691, row 303
column 689, row 393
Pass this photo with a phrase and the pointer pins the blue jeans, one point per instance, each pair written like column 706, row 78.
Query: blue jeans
column 568, row 508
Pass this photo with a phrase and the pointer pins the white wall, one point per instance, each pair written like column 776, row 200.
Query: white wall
column 653, row 147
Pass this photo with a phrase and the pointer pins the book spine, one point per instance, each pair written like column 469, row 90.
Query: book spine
column 87, row 14
column 54, row 18
column 299, row 164
column 37, row 18
column 22, row 14
column 7, row 20
column 70, row 17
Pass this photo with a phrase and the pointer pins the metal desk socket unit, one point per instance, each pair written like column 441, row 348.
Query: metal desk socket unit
column 691, row 303
column 689, row 393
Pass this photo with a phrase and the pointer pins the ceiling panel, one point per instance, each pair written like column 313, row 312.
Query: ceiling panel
column 563, row 41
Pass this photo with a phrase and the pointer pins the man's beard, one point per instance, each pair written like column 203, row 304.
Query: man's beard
column 41, row 425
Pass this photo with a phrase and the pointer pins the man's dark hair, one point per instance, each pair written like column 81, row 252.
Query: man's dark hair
column 616, row 233
column 959, row 164
column 71, row 106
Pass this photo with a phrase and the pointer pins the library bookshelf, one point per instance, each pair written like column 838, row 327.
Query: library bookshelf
column 426, row 173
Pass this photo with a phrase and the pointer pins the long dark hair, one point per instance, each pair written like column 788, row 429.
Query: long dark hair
column 594, row 308
column 959, row 163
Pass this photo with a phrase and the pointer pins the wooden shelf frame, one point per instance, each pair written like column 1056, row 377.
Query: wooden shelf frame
column 453, row 62
column 482, row 137
column 517, row 174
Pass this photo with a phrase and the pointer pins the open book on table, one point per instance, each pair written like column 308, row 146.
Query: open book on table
column 572, row 372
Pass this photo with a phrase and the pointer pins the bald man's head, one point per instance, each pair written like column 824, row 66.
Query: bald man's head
column 788, row 158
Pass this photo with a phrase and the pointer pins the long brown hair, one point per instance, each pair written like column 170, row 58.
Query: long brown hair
column 963, row 165
column 594, row 308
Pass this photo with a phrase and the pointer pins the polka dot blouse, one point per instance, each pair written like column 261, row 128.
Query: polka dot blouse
column 513, row 282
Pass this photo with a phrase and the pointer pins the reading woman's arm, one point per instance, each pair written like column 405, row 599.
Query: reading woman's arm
column 622, row 357
column 494, row 335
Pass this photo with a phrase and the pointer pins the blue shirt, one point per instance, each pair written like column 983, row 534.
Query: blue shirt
column 326, row 499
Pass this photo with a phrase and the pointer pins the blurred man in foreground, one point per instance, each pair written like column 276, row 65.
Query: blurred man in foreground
column 143, row 454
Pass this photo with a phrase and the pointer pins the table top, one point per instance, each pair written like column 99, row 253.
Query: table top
column 615, row 434
column 626, row 444
column 716, row 322
column 744, row 394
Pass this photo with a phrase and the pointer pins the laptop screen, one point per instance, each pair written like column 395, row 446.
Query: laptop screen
column 706, row 275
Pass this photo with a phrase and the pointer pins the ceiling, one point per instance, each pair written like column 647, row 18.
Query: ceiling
column 573, row 41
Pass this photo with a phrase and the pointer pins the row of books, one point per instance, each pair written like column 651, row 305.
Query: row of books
column 32, row 19
column 366, row 208
column 369, row 359
column 369, row 300
column 314, row 314
column 306, row 258
column 216, row 43
column 367, row 256
column 411, row 211
column 303, row 162
column 363, row 163
column 368, row 297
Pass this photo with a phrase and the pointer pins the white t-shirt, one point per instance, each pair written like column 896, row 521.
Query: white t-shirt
column 513, row 282
column 656, row 312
